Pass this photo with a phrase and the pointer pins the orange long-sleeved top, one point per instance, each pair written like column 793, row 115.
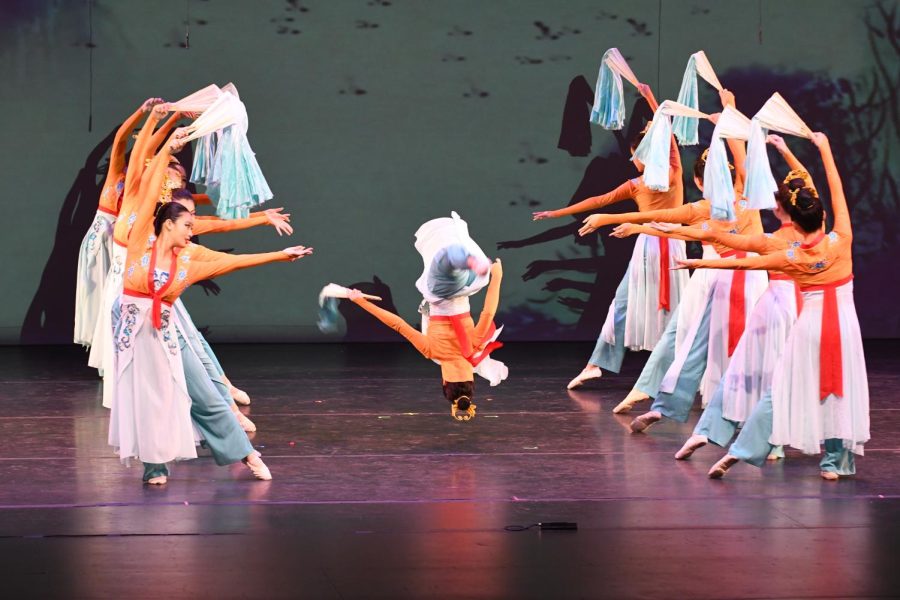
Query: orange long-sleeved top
column 209, row 224
column 645, row 198
column 113, row 186
column 441, row 342
column 144, row 147
column 826, row 259
column 193, row 263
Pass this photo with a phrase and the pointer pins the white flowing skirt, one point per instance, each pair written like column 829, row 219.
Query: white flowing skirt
column 749, row 374
column 800, row 419
column 717, row 358
column 102, row 353
column 690, row 313
column 93, row 266
column 151, row 413
column 644, row 321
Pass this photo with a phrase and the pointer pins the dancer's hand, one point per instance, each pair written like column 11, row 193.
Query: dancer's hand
column 685, row 263
column 714, row 118
column 543, row 214
column 297, row 252
column 496, row 269
column 727, row 98
column 481, row 268
column 666, row 227
column 644, row 90
column 820, row 140
column 280, row 221
column 149, row 103
column 161, row 110
column 777, row 141
column 355, row 295
column 177, row 139
column 592, row 224
column 624, row 230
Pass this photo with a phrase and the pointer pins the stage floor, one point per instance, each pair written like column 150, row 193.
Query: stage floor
column 377, row 493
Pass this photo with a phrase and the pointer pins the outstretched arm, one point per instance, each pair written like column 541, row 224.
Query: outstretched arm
column 623, row 192
column 769, row 262
column 414, row 337
column 491, row 301
column 689, row 213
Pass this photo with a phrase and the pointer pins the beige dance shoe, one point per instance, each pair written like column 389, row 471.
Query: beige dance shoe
column 829, row 475
column 160, row 480
column 693, row 443
column 645, row 421
column 588, row 373
column 258, row 467
column 720, row 468
column 633, row 397
column 246, row 424
column 238, row 395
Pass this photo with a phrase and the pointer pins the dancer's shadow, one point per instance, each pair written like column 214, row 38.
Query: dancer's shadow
column 361, row 327
column 608, row 258
column 51, row 315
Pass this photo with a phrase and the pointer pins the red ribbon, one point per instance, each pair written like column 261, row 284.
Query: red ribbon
column 737, row 303
column 108, row 211
column 157, row 295
column 831, row 360
column 664, row 274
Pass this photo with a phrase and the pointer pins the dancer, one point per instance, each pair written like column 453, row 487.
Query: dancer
column 649, row 292
column 819, row 391
column 455, row 269
column 749, row 374
column 151, row 414
column 95, row 252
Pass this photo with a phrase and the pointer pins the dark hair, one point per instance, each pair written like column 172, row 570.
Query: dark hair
column 700, row 166
column 170, row 211
column 462, row 391
column 802, row 203
column 174, row 164
column 182, row 194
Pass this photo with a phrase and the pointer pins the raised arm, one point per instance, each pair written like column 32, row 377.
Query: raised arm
column 164, row 130
column 835, row 187
column 737, row 147
column 792, row 162
column 147, row 196
column 414, row 337
column 491, row 301
column 120, row 142
column 141, row 151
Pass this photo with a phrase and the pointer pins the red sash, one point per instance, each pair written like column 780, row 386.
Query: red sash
column 157, row 295
column 831, row 372
column 470, row 352
column 737, row 302
column 108, row 211
column 664, row 274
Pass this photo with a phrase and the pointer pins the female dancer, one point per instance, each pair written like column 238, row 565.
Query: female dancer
column 749, row 374
column 151, row 418
column 649, row 292
column 819, row 388
column 94, row 255
column 452, row 338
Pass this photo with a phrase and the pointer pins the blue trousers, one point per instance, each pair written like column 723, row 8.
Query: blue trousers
column 677, row 404
column 210, row 411
column 608, row 356
column 660, row 359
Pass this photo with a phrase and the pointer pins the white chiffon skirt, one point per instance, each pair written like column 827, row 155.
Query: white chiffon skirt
column 800, row 418
column 94, row 258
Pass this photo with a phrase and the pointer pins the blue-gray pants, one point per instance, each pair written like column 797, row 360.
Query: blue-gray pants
column 608, row 356
column 677, row 404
